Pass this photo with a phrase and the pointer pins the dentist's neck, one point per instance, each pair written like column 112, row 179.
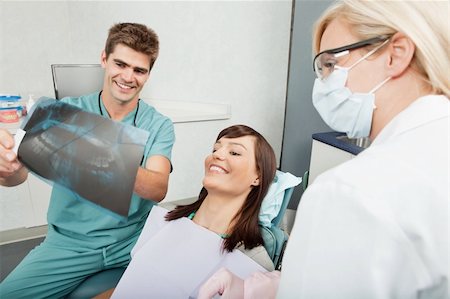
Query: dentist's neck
column 394, row 97
column 117, row 110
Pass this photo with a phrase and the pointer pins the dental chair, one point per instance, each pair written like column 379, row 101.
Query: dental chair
column 275, row 238
column 275, row 203
column 74, row 80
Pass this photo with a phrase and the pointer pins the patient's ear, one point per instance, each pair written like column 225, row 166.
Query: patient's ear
column 255, row 182
column 401, row 52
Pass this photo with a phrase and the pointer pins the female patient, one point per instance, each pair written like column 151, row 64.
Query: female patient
column 238, row 174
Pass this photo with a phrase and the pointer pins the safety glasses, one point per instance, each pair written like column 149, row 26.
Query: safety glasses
column 325, row 62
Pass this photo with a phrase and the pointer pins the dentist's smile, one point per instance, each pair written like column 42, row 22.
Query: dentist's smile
column 123, row 86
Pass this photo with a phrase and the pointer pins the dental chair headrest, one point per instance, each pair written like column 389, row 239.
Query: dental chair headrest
column 273, row 201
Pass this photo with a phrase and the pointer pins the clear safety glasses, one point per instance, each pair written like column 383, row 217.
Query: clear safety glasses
column 325, row 62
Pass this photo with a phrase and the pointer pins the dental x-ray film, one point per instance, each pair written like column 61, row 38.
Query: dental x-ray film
column 91, row 155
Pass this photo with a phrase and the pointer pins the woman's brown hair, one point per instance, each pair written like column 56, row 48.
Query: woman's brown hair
column 245, row 230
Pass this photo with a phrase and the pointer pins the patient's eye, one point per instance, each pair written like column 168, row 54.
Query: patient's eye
column 233, row 153
column 216, row 146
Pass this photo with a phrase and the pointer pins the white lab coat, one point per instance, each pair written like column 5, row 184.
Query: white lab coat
column 377, row 226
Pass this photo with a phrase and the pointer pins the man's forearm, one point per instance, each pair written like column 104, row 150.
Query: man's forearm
column 151, row 184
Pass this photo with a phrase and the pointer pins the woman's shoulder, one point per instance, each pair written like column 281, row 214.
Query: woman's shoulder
column 259, row 255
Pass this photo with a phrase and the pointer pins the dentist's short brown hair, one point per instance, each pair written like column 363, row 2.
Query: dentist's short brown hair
column 135, row 36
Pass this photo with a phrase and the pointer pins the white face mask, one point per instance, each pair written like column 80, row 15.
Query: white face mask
column 342, row 110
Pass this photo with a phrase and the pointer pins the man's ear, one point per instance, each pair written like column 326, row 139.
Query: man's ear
column 255, row 182
column 401, row 51
column 103, row 59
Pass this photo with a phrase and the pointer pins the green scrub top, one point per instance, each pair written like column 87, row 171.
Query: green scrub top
column 83, row 224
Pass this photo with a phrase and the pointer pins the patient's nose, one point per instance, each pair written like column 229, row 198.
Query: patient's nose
column 219, row 154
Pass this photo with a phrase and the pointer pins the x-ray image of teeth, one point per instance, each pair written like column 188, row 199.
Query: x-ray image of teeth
column 91, row 155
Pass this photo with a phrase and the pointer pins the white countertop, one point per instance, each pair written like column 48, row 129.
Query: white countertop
column 181, row 111
column 177, row 111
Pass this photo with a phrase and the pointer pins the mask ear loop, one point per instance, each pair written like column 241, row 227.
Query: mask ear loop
column 377, row 87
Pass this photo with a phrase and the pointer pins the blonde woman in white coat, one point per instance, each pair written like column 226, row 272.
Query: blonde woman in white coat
column 376, row 226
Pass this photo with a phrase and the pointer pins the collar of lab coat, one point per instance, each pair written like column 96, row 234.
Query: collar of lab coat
column 423, row 110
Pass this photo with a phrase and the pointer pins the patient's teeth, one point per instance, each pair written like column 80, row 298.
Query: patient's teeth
column 216, row 168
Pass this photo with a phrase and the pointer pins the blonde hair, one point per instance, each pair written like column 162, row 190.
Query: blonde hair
column 426, row 24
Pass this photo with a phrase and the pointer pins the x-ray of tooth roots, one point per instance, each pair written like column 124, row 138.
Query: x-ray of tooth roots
column 91, row 155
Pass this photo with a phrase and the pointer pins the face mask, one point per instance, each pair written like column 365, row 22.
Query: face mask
column 342, row 110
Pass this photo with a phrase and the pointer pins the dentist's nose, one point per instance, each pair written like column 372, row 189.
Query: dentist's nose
column 127, row 74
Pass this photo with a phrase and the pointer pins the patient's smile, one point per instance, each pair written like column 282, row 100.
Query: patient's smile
column 217, row 169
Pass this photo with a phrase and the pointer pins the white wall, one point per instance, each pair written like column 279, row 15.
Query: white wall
column 233, row 52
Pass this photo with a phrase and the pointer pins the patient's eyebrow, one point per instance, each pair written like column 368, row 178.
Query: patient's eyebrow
column 232, row 143
column 239, row 144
